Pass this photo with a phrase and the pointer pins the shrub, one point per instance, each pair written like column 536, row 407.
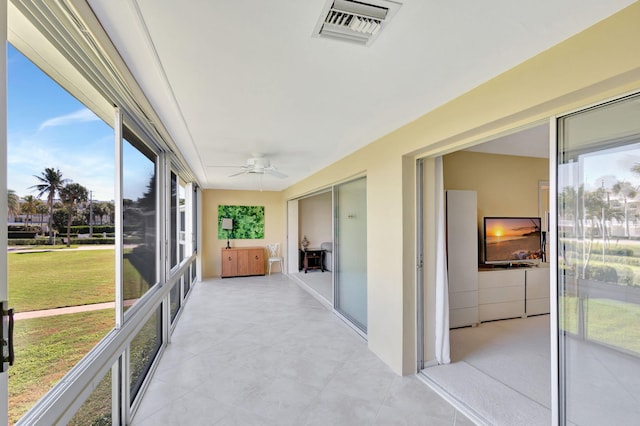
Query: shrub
column 619, row 251
column 625, row 275
column 21, row 234
column 603, row 273
column 97, row 229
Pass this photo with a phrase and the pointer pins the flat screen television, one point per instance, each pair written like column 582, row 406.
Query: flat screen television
column 510, row 240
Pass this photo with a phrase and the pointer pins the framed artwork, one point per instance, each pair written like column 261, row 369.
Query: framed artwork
column 248, row 222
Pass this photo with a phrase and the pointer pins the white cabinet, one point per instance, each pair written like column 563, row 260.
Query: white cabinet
column 512, row 293
column 462, row 257
column 501, row 294
column 537, row 291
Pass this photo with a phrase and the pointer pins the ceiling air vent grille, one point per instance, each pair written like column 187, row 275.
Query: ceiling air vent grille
column 355, row 21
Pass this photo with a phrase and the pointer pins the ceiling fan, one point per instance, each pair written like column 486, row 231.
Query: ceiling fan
column 259, row 165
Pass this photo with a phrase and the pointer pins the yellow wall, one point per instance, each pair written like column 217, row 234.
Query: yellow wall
column 274, row 227
column 592, row 66
column 506, row 185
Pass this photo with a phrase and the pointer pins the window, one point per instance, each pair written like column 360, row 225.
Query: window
column 142, row 352
column 139, row 219
column 60, row 167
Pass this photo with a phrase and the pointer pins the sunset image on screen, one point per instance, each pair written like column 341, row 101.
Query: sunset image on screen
column 511, row 239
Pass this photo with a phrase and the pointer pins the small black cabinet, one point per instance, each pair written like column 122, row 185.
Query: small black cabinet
column 311, row 259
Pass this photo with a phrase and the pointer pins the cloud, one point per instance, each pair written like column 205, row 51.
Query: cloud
column 81, row 116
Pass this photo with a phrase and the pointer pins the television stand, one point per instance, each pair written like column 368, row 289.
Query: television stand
column 515, row 291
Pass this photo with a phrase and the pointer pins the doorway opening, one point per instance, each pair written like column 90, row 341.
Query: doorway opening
column 311, row 231
column 498, row 316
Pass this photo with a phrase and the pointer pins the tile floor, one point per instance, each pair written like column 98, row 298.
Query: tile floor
column 262, row 351
column 318, row 283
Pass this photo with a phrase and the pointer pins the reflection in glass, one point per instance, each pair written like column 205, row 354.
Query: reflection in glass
column 182, row 221
column 143, row 350
column 194, row 219
column 174, row 298
column 599, row 263
column 186, row 283
column 173, row 220
column 139, row 214
column 96, row 410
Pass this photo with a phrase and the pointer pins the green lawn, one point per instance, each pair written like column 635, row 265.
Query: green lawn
column 55, row 279
column 608, row 321
column 45, row 280
column 46, row 348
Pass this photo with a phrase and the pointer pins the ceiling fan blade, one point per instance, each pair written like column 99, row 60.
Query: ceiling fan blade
column 239, row 173
column 274, row 172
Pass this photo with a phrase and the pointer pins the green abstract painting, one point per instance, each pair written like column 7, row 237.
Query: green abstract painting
column 248, row 222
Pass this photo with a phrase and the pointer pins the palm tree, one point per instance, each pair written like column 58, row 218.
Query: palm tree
column 28, row 207
column 13, row 203
column 51, row 182
column 72, row 194
column 628, row 192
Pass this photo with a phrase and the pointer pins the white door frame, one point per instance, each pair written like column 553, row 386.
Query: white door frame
column 4, row 293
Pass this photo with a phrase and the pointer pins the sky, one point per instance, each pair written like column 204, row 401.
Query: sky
column 47, row 127
column 609, row 166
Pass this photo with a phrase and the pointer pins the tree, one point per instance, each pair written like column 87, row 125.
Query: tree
column 51, row 182
column 28, row 207
column 13, row 203
column 628, row 192
column 72, row 194
column 41, row 209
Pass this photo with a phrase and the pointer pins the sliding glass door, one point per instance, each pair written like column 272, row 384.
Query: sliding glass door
column 598, row 229
column 350, row 293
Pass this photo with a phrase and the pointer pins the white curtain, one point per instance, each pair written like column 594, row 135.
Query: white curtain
column 442, row 283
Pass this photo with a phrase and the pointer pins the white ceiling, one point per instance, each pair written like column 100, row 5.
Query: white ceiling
column 234, row 78
column 530, row 142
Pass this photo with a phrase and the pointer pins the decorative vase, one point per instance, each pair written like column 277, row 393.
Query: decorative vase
column 304, row 243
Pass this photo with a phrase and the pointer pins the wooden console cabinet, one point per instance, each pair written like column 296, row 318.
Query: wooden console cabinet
column 242, row 261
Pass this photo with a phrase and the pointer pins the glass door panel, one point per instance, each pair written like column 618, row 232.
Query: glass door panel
column 598, row 189
column 351, row 252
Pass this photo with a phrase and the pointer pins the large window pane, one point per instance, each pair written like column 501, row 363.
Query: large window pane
column 60, row 174
column 139, row 213
column 142, row 352
column 599, row 263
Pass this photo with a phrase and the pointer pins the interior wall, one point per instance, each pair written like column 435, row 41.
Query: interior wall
column 275, row 218
column 507, row 185
column 587, row 68
column 314, row 219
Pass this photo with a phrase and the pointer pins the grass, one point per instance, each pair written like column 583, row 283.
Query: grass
column 45, row 280
column 608, row 321
column 46, row 349
column 96, row 410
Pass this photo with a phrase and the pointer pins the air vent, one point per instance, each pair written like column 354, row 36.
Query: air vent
column 355, row 21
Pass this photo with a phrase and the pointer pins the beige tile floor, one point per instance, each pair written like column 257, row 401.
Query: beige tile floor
column 262, row 351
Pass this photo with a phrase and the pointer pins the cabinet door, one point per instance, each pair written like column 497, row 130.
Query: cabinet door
column 229, row 263
column 243, row 262
column 256, row 262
